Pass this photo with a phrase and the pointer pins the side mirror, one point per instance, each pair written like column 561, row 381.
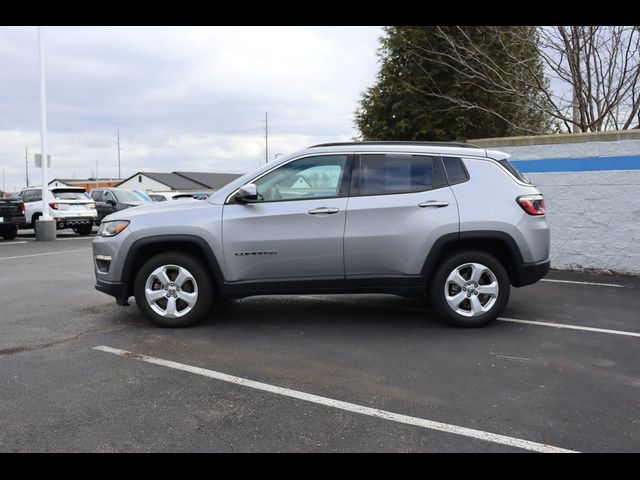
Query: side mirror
column 111, row 202
column 247, row 193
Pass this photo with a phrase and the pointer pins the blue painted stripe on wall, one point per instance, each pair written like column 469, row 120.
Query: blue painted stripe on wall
column 586, row 164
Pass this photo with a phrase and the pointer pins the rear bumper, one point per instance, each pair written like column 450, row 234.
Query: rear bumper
column 71, row 222
column 529, row 273
column 117, row 290
column 17, row 221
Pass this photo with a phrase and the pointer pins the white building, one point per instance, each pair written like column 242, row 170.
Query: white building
column 180, row 181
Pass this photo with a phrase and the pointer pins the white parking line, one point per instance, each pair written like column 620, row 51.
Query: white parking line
column 350, row 407
column 503, row 319
column 76, row 238
column 12, row 243
column 616, row 285
column 570, row 327
column 42, row 254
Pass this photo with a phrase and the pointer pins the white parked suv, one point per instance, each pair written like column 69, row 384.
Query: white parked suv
column 70, row 207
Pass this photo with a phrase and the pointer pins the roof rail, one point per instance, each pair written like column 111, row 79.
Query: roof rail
column 395, row 142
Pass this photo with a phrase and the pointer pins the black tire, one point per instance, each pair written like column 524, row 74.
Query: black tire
column 205, row 289
column 9, row 232
column 83, row 230
column 439, row 280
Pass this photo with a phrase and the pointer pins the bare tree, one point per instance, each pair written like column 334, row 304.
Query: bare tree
column 591, row 81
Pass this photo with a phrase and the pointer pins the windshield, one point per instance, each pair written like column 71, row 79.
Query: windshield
column 71, row 196
column 128, row 196
column 143, row 196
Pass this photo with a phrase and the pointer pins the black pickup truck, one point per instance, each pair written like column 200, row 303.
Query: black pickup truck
column 11, row 217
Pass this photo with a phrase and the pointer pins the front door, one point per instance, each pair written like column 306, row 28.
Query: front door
column 106, row 204
column 294, row 231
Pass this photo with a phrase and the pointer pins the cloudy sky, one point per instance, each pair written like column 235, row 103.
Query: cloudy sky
column 183, row 98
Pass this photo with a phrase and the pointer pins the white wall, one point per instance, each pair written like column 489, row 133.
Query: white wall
column 147, row 184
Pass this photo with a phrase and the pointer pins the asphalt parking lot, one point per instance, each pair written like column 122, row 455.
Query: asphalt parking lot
column 559, row 371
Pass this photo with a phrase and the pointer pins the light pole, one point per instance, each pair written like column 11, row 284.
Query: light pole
column 45, row 226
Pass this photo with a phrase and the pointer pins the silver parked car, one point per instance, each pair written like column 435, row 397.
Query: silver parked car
column 452, row 221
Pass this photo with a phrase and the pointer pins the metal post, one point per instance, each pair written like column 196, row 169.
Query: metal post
column 118, row 133
column 26, row 163
column 43, row 129
column 45, row 226
column 266, row 137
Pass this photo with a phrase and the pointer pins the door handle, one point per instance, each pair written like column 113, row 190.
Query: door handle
column 433, row 203
column 323, row 210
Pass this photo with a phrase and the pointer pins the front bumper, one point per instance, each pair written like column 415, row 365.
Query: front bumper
column 115, row 289
column 529, row 273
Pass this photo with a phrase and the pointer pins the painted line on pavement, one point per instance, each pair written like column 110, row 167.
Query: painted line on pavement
column 616, row 285
column 350, row 407
column 76, row 238
column 570, row 327
column 502, row 319
column 43, row 254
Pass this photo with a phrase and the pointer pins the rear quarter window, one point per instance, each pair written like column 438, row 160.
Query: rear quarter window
column 456, row 172
column 513, row 171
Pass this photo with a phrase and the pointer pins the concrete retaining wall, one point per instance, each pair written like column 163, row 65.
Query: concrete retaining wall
column 591, row 184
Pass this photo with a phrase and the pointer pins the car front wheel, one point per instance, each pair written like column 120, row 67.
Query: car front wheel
column 173, row 290
column 470, row 289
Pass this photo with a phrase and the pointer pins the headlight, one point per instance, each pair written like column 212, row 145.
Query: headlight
column 111, row 229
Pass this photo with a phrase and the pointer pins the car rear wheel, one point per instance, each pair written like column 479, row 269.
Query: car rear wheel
column 470, row 289
column 173, row 290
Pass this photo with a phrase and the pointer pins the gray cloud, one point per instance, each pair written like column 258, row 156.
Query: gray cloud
column 182, row 97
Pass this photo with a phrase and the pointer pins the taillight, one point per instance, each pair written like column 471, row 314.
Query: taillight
column 22, row 208
column 532, row 204
column 54, row 205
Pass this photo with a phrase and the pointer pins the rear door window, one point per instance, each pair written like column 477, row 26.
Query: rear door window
column 381, row 174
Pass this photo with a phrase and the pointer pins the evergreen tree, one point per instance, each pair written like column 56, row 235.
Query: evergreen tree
column 427, row 89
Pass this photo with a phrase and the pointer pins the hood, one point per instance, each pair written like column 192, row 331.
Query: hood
column 143, row 208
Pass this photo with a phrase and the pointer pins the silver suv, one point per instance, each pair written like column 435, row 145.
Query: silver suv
column 452, row 221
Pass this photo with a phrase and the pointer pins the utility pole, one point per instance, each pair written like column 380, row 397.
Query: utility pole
column 26, row 163
column 266, row 137
column 118, row 133
column 4, row 189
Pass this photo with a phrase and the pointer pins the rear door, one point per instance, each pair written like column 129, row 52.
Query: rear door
column 295, row 230
column 32, row 199
column 399, row 205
